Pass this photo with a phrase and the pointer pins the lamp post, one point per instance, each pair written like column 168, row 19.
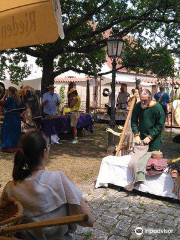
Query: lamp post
column 138, row 81
column 114, row 49
column 166, row 85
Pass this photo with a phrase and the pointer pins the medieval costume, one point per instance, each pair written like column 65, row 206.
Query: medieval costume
column 149, row 122
column 11, row 128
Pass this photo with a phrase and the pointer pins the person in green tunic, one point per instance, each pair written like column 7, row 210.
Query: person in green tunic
column 147, row 121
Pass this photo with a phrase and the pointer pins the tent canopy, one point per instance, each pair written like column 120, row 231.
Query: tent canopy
column 28, row 22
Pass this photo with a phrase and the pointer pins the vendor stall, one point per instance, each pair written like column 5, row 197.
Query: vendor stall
column 62, row 124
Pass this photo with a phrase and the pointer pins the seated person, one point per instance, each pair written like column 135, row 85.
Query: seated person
column 43, row 194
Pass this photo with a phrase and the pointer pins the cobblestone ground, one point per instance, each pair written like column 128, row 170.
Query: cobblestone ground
column 118, row 213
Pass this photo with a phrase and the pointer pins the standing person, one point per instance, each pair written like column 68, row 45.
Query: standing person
column 67, row 109
column 71, row 85
column 50, row 102
column 32, row 115
column 133, row 91
column 11, row 128
column 147, row 121
column 43, row 194
column 2, row 92
column 163, row 98
column 75, row 103
column 106, row 92
column 123, row 97
column 138, row 96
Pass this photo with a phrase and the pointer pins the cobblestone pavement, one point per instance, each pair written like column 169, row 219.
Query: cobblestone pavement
column 118, row 213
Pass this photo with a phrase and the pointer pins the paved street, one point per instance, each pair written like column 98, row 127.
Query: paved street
column 119, row 213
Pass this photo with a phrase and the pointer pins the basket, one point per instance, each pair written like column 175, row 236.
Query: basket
column 11, row 213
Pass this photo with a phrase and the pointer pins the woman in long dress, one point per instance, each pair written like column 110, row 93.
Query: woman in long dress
column 11, row 128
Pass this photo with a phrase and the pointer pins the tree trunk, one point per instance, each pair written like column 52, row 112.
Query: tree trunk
column 47, row 77
column 87, row 97
column 95, row 92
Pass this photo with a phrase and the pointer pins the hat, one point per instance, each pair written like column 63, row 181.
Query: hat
column 72, row 90
column 51, row 86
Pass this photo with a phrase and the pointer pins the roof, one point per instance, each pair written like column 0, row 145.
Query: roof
column 70, row 79
column 71, row 76
column 171, row 81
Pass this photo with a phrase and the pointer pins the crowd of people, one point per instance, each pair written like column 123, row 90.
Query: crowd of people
column 23, row 111
column 122, row 98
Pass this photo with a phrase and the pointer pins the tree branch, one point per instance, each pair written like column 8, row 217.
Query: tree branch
column 32, row 52
column 81, row 21
column 55, row 74
column 87, row 17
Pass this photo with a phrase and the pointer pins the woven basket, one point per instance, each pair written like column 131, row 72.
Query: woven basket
column 11, row 213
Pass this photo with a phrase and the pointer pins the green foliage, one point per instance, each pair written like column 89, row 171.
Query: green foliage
column 157, row 60
column 153, row 24
column 62, row 94
column 15, row 65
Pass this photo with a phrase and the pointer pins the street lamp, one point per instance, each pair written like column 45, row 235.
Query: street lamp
column 114, row 49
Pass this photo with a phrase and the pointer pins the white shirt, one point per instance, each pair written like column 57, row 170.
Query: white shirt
column 44, row 196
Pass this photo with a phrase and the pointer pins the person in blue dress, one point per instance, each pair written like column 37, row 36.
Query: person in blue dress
column 163, row 98
column 11, row 128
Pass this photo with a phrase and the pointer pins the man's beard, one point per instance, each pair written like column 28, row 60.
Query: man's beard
column 144, row 106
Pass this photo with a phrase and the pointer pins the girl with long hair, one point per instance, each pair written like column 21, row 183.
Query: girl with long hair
column 43, row 194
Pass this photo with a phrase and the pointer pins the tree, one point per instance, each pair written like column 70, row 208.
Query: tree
column 153, row 26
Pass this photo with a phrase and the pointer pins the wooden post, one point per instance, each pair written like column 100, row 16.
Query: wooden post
column 133, row 101
column 87, row 97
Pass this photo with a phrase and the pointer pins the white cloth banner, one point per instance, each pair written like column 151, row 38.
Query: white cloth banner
column 57, row 13
column 115, row 170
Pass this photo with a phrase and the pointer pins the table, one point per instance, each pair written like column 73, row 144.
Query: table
column 62, row 124
column 115, row 170
column 100, row 114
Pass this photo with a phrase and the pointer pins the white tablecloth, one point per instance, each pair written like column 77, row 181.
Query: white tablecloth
column 115, row 170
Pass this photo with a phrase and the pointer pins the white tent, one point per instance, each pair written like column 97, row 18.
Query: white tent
column 122, row 77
